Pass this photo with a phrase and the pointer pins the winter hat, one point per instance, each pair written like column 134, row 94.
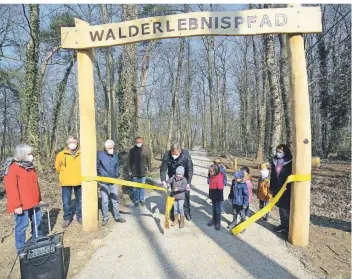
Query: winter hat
column 264, row 173
column 180, row 170
column 239, row 174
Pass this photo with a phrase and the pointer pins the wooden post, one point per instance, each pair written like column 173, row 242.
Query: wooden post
column 300, row 191
column 87, row 136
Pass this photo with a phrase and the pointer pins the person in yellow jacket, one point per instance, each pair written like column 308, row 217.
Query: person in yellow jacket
column 68, row 166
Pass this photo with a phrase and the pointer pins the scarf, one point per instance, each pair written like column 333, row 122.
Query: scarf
column 279, row 165
column 26, row 165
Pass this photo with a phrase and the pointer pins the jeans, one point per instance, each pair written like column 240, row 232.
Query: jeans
column 247, row 211
column 138, row 193
column 285, row 217
column 178, row 207
column 216, row 211
column 105, row 191
column 66, row 201
column 22, row 222
column 263, row 204
column 238, row 210
column 222, row 206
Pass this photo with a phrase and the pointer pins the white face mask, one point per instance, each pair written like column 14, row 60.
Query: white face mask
column 175, row 156
column 111, row 151
column 280, row 155
column 72, row 146
column 29, row 158
column 139, row 145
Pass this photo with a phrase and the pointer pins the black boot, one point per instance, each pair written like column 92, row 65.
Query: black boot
column 234, row 222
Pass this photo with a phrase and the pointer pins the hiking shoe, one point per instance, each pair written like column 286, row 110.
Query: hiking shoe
column 120, row 220
column 142, row 203
column 280, row 229
column 66, row 223
column 231, row 225
column 217, row 227
column 104, row 222
column 211, row 223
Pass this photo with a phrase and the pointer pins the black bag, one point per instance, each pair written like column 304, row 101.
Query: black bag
column 43, row 257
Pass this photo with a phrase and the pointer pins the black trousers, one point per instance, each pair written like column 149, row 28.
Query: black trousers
column 186, row 206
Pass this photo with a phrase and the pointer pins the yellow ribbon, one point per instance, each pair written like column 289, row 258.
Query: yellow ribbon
column 271, row 204
column 169, row 200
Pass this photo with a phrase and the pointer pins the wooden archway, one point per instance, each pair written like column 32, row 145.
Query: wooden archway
column 293, row 21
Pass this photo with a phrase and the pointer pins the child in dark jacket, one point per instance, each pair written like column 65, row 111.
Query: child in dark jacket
column 178, row 185
column 240, row 198
column 248, row 181
column 216, row 194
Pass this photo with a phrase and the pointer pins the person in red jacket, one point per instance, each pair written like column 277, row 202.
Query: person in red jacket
column 23, row 194
column 216, row 194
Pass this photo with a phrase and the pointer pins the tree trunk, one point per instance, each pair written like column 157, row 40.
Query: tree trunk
column 285, row 88
column 127, row 88
column 274, row 90
column 61, row 89
column 30, row 109
column 324, row 93
column 261, row 105
column 175, row 95
column 210, row 91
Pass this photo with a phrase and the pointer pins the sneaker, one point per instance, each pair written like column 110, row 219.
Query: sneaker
column 120, row 220
column 280, row 229
column 211, row 223
column 142, row 203
column 104, row 222
column 66, row 223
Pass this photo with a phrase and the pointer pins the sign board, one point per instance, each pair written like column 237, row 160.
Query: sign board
column 239, row 23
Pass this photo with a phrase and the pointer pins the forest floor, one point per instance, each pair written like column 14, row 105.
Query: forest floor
column 153, row 250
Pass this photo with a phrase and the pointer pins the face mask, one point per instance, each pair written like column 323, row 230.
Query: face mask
column 111, row 151
column 175, row 156
column 280, row 155
column 72, row 146
column 139, row 145
column 29, row 158
column 179, row 176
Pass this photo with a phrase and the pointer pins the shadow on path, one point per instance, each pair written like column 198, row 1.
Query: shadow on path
column 247, row 256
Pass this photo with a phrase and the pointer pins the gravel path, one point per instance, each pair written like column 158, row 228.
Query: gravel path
column 142, row 248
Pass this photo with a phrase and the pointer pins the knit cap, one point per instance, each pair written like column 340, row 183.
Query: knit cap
column 264, row 173
column 239, row 174
column 180, row 170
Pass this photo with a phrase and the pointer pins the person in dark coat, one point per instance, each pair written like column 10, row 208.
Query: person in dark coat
column 108, row 166
column 139, row 164
column 172, row 159
column 281, row 168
